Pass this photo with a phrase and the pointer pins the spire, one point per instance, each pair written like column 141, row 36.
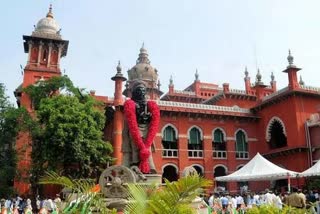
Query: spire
column 196, row 75
column 272, row 77
column 246, row 73
column 50, row 14
column 258, row 78
column 290, row 60
column 143, row 56
column 119, row 67
column 159, row 84
column 171, row 81
column 301, row 82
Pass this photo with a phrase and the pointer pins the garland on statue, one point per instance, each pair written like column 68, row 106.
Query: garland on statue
column 143, row 144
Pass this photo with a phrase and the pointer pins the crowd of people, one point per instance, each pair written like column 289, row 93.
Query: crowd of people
column 239, row 203
column 24, row 205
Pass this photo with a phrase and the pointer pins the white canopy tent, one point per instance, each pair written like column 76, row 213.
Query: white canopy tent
column 258, row 169
column 312, row 171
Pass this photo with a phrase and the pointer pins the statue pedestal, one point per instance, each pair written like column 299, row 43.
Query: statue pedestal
column 154, row 179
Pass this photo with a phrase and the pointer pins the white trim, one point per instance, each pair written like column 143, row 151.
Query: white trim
column 183, row 136
column 269, row 126
column 223, row 132
column 172, row 126
column 197, row 127
column 220, row 165
column 170, row 164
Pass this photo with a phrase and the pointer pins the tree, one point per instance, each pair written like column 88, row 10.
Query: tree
column 69, row 134
column 12, row 120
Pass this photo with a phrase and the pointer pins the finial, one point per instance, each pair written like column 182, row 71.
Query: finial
column 272, row 76
column 159, row 84
column 290, row 58
column 119, row 67
column 171, row 80
column 50, row 14
column 301, row 82
column 258, row 76
column 246, row 73
column 196, row 75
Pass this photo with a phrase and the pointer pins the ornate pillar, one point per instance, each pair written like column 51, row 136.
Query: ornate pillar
column 39, row 52
column 60, row 47
column 30, row 43
column 49, row 54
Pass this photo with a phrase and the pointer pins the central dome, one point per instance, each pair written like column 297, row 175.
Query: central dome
column 47, row 27
column 143, row 70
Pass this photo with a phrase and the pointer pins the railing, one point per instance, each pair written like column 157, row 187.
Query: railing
column 310, row 88
column 238, row 91
column 202, row 106
column 184, row 92
column 219, row 154
column 170, row 153
column 242, row 155
column 195, row 153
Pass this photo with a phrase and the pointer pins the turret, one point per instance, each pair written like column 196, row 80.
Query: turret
column 292, row 73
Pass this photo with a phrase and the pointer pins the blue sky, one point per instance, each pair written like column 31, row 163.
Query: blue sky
column 219, row 38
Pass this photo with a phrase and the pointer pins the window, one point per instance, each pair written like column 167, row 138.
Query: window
column 278, row 139
column 169, row 143
column 45, row 55
column 218, row 144
column 195, row 139
column 241, row 146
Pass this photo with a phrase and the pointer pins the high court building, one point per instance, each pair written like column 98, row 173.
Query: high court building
column 217, row 129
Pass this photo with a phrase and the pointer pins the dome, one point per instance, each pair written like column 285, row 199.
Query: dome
column 47, row 27
column 143, row 70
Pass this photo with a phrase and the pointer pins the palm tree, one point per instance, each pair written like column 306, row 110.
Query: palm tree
column 173, row 198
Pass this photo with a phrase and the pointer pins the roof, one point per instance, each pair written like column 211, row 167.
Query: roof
column 258, row 169
column 312, row 171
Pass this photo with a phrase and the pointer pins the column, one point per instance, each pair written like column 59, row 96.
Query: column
column 30, row 50
column 39, row 52
column 49, row 54
column 117, row 135
column 60, row 47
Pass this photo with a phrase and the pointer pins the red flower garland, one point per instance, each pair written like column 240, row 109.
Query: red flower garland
column 143, row 144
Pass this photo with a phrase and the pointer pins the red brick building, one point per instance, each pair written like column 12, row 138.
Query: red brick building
column 216, row 129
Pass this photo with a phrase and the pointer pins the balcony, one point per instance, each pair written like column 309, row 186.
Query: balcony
column 169, row 153
column 242, row 155
column 195, row 153
column 219, row 154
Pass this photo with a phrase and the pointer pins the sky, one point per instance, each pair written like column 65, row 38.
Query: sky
column 219, row 38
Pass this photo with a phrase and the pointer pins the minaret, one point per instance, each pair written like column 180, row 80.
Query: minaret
column 44, row 47
column 259, row 86
column 247, row 80
column 292, row 73
column 118, row 115
column 301, row 82
column 171, row 85
column 273, row 83
column 197, row 83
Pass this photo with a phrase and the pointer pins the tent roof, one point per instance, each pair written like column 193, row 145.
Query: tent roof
column 312, row 171
column 258, row 169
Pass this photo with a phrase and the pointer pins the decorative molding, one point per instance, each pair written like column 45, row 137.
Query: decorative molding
column 207, row 137
column 197, row 127
column 183, row 136
column 252, row 139
column 244, row 132
column 223, row 132
column 202, row 106
column 170, row 164
column 230, row 138
column 171, row 125
column 269, row 126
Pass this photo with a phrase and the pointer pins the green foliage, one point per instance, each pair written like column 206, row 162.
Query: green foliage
column 174, row 198
column 12, row 120
column 85, row 201
column 68, row 135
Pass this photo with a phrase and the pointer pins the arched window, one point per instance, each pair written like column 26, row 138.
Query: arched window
column 278, row 139
column 241, row 145
column 169, row 142
column 45, row 55
column 195, row 143
column 199, row 169
column 219, row 146
column 170, row 172
column 220, row 171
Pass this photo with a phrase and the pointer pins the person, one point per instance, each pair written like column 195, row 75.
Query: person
column 142, row 119
column 294, row 200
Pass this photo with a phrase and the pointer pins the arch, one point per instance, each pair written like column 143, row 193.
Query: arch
column 170, row 172
column 170, row 164
column 244, row 132
column 223, row 132
column 269, row 127
column 172, row 126
column 197, row 127
column 198, row 166
column 221, row 165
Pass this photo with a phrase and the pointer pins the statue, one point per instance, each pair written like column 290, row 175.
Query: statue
column 141, row 125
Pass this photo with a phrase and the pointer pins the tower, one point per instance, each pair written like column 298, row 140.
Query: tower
column 44, row 47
